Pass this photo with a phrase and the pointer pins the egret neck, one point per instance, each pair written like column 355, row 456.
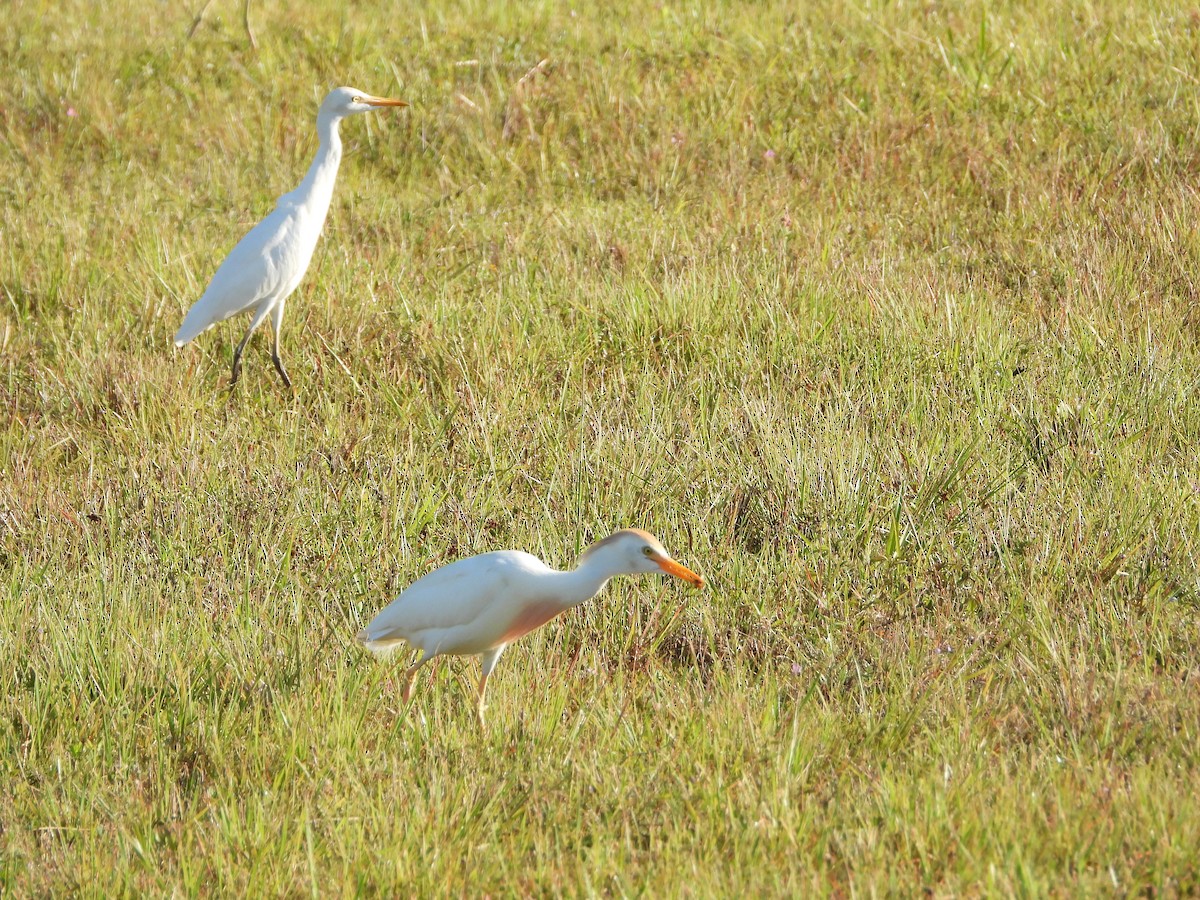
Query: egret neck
column 585, row 581
column 316, row 190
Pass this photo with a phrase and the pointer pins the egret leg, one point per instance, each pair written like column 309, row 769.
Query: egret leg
column 406, row 690
column 488, row 660
column 237, row 358
column 259, row 314
column 276, row 322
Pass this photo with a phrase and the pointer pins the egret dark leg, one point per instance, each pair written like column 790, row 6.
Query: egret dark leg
column 276, row 322
column 259, row 314
column 287, row 382
column 237, row 357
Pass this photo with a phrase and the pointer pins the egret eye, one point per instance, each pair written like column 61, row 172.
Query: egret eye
column 647, row 551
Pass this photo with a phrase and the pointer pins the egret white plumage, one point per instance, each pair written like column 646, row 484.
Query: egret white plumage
column 270, row 261
column 479, row 605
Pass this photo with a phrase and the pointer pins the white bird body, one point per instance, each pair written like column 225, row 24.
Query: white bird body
column 424, row 617
column 478, row 605
column 269, row 263
column 265, row 267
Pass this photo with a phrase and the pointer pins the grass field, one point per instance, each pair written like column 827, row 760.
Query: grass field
column 882, row 316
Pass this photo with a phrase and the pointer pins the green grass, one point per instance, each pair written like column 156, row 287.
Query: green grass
column 883, row 317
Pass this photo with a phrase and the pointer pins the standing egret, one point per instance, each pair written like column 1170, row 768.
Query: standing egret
column 270, row 261
column 478, row 605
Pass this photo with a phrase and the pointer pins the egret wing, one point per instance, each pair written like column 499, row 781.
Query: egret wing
column 255, row 269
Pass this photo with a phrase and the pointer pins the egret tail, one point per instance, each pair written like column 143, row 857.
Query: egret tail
column 192, row 327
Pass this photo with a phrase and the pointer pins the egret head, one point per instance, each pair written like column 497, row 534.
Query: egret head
column 348, row 101
column 632, row 551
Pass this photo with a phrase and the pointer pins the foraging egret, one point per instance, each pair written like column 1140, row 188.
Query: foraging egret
column 270, row 261
column 478, row 605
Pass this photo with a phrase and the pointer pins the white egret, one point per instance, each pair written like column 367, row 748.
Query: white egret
column 479, row 605
column 270, row 261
